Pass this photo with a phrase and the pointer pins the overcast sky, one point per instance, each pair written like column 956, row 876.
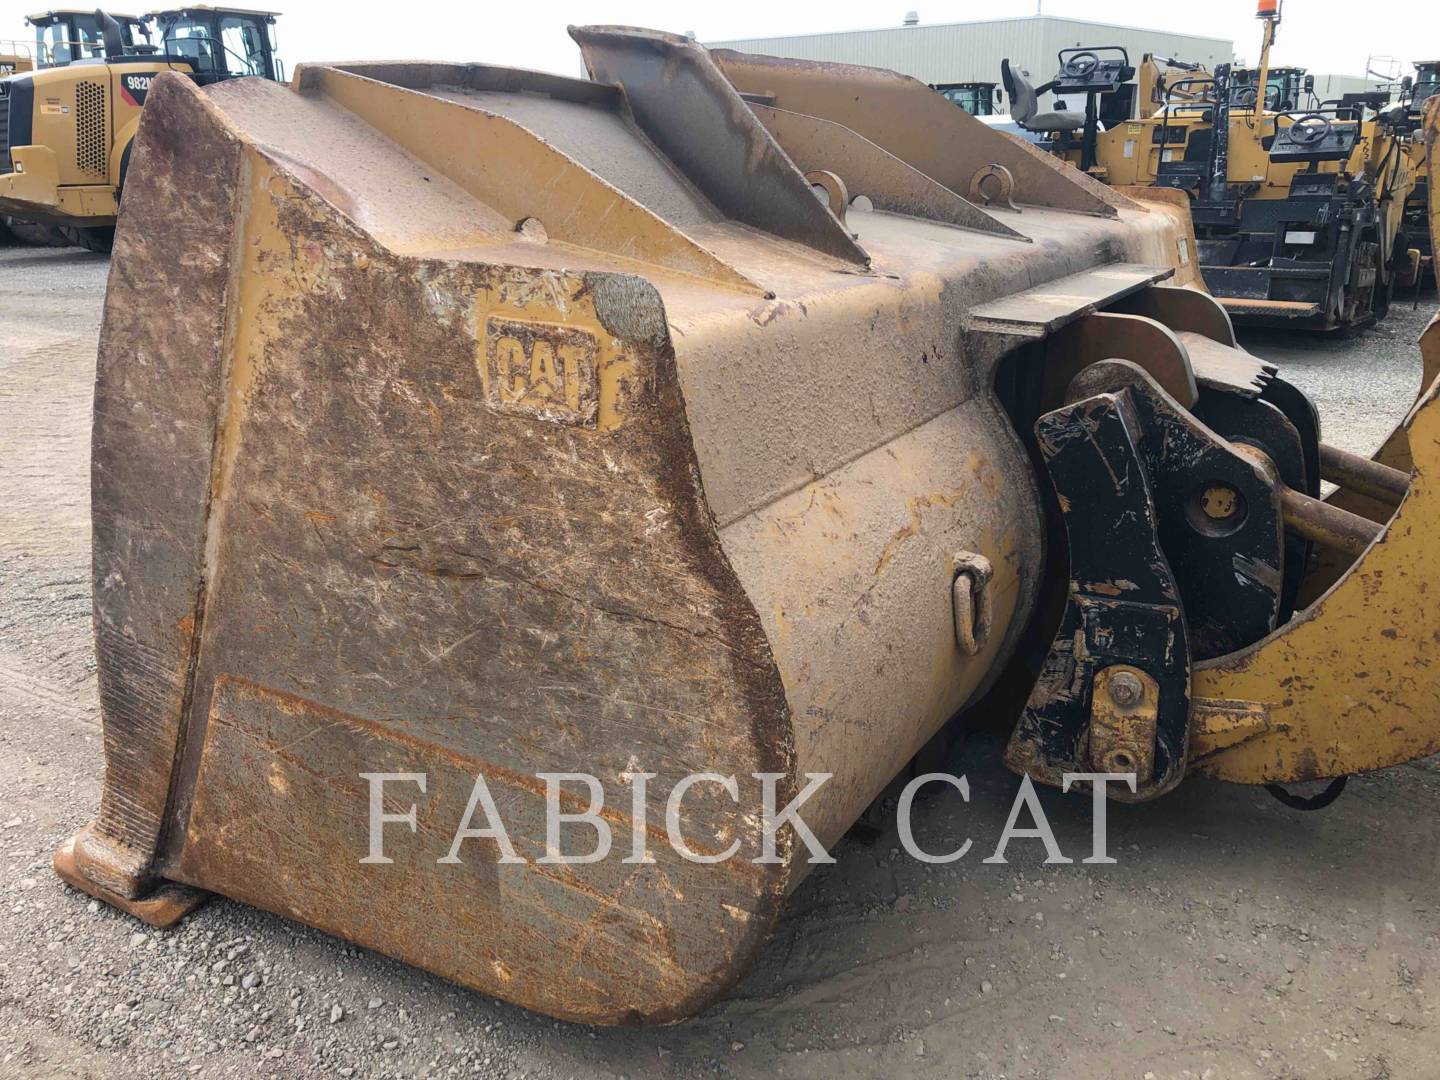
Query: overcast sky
column 1324, row 35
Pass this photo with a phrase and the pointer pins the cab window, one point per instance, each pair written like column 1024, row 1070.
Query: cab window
column 88, row 37
column 974, row 100
column 135, row 33
column 192, row 39
column 54, row 42
column 244, row 46
column 1427, row 82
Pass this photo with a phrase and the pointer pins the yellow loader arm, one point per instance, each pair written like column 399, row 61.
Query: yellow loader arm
column 1312, row 707
column 1351, row 682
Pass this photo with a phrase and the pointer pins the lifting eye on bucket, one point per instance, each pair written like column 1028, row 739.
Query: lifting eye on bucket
column 993, row 186
column 971, row 596
column 830, row 190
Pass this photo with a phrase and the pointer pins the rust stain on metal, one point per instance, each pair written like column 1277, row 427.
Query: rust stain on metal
column 916, row 505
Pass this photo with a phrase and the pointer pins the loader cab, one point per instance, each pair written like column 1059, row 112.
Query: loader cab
column 1286, row 88
column 976, row 98
column 1427, row 82
column 220, row 43
column 65, row 35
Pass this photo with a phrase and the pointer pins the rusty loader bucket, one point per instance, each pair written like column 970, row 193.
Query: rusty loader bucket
column 715, row 430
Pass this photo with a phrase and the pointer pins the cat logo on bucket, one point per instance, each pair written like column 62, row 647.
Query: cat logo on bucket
column 541, row 370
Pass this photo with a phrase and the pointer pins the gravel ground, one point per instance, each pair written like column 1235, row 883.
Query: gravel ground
column 1362, row 384
column 1234, row 938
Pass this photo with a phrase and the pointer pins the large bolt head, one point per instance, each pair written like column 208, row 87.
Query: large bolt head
column 1125, row 689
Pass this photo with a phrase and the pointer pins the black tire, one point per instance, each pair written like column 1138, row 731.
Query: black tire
column 1392, row 271
column 97, row 240
column 1375, row 298
column 1384, row 293
column 35, row 234
column 1398, row 268
column 124, row 170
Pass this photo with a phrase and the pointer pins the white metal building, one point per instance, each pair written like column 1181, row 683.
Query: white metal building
column 1331, row 87
column 972, row 51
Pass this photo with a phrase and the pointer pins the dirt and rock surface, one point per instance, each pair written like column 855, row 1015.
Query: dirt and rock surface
column 1234, row 938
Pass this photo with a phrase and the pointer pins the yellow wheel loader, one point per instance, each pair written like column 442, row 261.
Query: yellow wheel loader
column 63, row 35
column 1298, row 206
column 1286, row 88
column 67, row 127
column 535, row 517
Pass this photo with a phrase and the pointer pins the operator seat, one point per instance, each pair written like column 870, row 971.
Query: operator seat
column 1024, row 102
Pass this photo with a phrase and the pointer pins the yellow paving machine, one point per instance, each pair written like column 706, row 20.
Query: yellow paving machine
column 1424, row 88
column 1298, row 205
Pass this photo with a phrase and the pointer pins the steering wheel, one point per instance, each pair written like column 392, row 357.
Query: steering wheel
column 1309, row 130
column 1246, row 96
column 1080, row 65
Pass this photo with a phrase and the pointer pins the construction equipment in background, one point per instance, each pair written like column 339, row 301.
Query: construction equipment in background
column 1163, row 79
column 66, row 128
column 1431, row 136
column 1299, row 213
column 15, row 57
column 1286, row 88
column 1121, row 93
column 1424, row 87
column 1095, row 74
column 976, row 98
column 64, row 35
column 1426, row 84
column 470, row 422
column 13, row 60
